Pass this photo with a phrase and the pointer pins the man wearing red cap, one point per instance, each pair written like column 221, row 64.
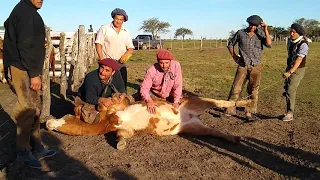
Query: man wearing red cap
column 114, row 41
column 162, row 80
column 98, row 87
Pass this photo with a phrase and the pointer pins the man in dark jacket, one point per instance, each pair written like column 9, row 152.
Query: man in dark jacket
column 23, row 56
column 98, row 87
column 296, row 66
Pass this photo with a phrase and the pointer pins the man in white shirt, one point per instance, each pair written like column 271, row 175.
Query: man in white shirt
column 115, row 42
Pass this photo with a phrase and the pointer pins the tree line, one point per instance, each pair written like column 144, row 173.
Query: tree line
column 312, row 28
column 155, row 27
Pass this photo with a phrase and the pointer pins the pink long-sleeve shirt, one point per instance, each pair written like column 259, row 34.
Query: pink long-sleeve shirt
column 161, row 83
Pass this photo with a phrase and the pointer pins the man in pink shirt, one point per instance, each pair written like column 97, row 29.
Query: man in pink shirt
column 162, row 80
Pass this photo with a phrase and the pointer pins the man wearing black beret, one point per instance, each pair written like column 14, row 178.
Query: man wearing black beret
column 296, row 61
column 250, row 41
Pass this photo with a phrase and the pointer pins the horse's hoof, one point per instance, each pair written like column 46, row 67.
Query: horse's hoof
column 121, row 144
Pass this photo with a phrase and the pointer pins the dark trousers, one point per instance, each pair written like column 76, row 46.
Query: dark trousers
column 26, row 112
column 251, row 73
column 290, row 86
column 123, row 72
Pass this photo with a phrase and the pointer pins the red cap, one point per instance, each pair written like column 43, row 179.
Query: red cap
column 164, row 55
column 109, row 62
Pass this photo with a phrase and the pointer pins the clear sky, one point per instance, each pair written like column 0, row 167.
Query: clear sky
column 206, row 18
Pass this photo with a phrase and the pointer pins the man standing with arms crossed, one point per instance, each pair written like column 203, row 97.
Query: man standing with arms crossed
column 115, row 42
column 23, row 55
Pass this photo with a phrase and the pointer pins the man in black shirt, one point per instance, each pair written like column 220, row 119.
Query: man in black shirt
column 23, row 56
column 98, row 87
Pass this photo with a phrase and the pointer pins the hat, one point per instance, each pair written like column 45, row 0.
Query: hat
column 164, row 55
column 298, row 28
column 118, row 11
column 109, row 62
column 254, row 20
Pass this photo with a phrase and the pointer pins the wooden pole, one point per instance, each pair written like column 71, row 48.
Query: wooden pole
column 63, row 82
column 216, row 42
column 73, row 74
column 201, row 43
column 82, row 53
column 149, row 43
column 182, row 43
column 194, row 43
column 45, row 109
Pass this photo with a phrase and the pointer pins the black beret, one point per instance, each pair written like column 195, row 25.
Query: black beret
column 254, row 20
column 298, row 28
column 118, row 11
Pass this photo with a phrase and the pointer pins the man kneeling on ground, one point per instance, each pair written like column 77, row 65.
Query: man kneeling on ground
column 162, row 80
column 98, row 87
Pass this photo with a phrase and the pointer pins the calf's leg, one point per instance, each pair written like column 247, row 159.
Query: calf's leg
column 198, row 128
column 122, row 134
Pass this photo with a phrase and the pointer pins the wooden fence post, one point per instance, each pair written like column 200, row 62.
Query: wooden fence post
column 75, row 62
column 82, row 53
column 194, row 43
column 92, row 48
column 73, row 76
column 182, row 43
column 45, row 109
column 201, row 43
column 63, row 82
column 216, row 42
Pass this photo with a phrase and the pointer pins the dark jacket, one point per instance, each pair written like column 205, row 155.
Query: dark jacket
column 92, row 88
column 24, row 39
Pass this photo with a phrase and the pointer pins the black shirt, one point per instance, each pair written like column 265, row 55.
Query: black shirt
column 24, row 39
column 92, row 88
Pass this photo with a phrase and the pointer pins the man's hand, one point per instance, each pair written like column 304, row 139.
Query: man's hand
column 35, row 83
column 122, row 96
column 236, row 58
column 124, row 58
column 175, row 105
column 286, row 75
column 106, row 101
column 264, row 26
column 151, row 107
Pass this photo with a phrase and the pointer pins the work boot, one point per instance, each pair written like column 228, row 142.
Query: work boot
column 45, row 153
column 288, row 117
column 28, row 159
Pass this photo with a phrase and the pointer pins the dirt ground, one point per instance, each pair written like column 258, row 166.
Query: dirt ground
column 272, row 150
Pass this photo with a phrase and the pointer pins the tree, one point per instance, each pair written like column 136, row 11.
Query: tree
column 278, row 32
column 311, row 26
column 232, row 33
column 182, row 32
column 155, row 26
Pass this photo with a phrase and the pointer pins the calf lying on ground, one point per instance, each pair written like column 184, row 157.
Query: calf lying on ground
column 132, row 119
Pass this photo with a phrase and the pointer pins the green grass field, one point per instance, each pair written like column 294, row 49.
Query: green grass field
column 209, row 72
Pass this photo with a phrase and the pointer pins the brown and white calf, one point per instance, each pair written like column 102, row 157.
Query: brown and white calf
column 129, row 119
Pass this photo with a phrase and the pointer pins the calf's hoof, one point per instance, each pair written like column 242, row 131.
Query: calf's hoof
column 121, row 144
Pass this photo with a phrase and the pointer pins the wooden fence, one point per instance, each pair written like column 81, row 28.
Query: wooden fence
column 72, row 65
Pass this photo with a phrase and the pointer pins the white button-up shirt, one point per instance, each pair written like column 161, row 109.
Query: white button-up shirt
column 114, row 44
